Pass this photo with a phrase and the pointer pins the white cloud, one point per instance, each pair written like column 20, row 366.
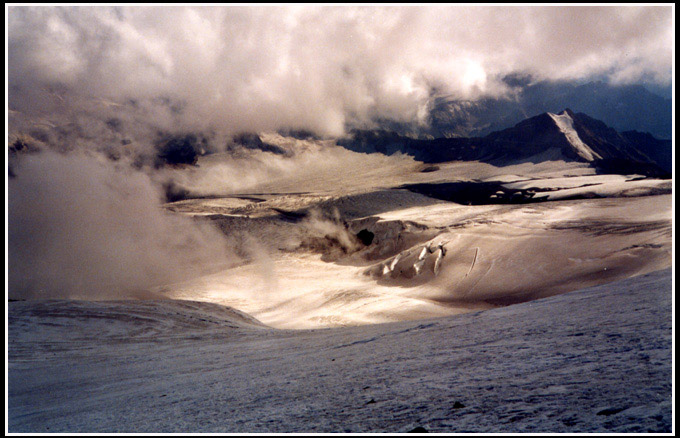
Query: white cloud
column 261, row 68
column 79, row 227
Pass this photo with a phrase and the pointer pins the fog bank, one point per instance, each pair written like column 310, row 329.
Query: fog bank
column 82, row 228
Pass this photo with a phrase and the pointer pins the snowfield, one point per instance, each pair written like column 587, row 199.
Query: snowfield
column 307, row 271
column 358, row 293
column 592, row 360
column 331, row 220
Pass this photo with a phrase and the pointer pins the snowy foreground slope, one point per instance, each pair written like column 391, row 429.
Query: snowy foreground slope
column 593, row 360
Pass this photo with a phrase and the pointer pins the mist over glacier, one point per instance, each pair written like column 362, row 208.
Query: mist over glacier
column 339, row 219
column 82, row 228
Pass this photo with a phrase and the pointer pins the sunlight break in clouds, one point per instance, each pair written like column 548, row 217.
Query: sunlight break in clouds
column 319, row 68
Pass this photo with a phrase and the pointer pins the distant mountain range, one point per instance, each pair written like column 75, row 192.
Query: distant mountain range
column 623, row 107
column 567, row 136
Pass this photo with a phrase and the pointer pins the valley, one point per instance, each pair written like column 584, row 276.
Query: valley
column 340, row 219
column 442, row 242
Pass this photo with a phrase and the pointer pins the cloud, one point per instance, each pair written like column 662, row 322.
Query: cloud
column 79, row 227
column 235, row 69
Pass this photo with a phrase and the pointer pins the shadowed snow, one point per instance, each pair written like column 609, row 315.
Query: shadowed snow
column 594, row 360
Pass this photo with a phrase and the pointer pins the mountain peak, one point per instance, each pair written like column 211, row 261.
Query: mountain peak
column 567, row 136
column 565, row 123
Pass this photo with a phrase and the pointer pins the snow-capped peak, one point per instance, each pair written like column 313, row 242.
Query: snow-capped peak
column 566, row 124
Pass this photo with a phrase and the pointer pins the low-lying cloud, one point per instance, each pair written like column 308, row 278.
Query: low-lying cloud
column 319, row 68
column 81, row 228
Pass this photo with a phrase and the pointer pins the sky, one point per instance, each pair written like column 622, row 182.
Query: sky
column 253, row 68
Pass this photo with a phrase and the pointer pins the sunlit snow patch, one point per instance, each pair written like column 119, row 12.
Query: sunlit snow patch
column 566, row 125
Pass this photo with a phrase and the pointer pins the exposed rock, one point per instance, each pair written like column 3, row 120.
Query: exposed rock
column 179, row 150
column 427, row 169
column 365, row 236
column 250, row 140
column 610, row 411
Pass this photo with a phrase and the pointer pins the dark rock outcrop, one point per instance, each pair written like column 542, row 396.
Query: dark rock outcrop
column 253, row 141
column 183, row 149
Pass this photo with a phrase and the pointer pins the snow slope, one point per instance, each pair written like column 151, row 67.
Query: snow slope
column 587, row 361
column 566, row 125
column 593, row 360
column 492, row 254
column 433, row 258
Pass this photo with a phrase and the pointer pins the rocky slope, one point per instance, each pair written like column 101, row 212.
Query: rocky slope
column 566, row 136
